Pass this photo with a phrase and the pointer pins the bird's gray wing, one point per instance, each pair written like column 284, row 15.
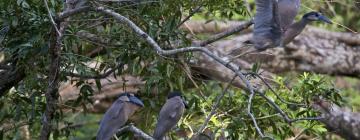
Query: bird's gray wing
column 112, row 120
column 267, row 32
column 288, row 9
column 169, row 116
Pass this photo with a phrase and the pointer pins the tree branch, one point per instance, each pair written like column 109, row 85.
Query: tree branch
column 135, row 130
column 253, row 118
column 71, row 12
column 101, row 76
column 214, row 107
column 51, row 18
column 342, row 121
column 51, row 93
column 227, row 33
column 192, row 13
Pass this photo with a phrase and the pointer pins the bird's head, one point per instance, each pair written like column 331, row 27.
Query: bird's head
column 177, row 94
column 133, row 99
column 316, row 16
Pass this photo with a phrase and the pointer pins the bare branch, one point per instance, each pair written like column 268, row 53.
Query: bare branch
column 101, row 76
column 135, row 130
column 227, row 33
column 51, row 18
column 68, row 13
column 192, row 12
column 252, row 116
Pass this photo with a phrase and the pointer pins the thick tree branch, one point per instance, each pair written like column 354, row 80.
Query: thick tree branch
column 71, row 12
column 341, row 121
column 51, row 93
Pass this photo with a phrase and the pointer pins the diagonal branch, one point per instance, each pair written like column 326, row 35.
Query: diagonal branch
column 101, row 76
column 71, row 12
column 248, row 111
column 227, row 33
column 51, row 18
column 192, row 13
column 214, row 107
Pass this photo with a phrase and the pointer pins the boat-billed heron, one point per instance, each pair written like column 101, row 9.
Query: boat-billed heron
column 117, row 115
column 170, row 114
column 273, row 24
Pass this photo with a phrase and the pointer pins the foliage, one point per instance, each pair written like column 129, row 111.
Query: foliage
column 27, row 42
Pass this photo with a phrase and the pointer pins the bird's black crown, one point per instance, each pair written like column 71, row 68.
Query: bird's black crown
column 312, row 13
column 174, row 94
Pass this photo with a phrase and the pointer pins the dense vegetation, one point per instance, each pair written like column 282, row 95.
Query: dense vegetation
column 27, row 34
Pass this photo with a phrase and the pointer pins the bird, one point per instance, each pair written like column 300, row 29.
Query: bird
column 267, row 30
column 170, row 114
column 118, row 114
column 274, row 22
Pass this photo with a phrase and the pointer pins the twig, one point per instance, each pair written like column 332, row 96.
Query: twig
column 275, row 106
column 307, row 119
column 273, row 91
column 135, row 130
column 101, row 76
column 226, row 33
column 214, row 107
column 192, row 12
column 51, row 18
column 71, row 12
column 252, row 116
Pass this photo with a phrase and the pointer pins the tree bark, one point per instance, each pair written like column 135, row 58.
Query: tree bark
column 315, row 50
column 339, row 120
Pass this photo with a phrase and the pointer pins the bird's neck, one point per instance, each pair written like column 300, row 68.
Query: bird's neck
column 303, row 22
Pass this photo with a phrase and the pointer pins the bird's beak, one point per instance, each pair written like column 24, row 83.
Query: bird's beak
column 186, row 105
column 136, row 101
column 325, row 19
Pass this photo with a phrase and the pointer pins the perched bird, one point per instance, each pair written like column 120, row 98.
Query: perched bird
column 273, row 24
column 170, row 114
column 117, row 115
